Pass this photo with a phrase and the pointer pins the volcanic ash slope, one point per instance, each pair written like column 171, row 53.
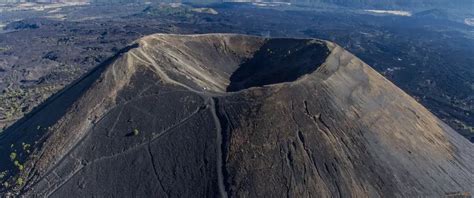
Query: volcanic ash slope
column 222, row 115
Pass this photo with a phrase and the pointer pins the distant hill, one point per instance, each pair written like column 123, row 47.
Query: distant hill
column 393, row 4
column 379, row 4
column 41, row 1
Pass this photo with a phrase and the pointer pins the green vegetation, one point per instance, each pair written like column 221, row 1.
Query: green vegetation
column 3, row 174
column 135, row 132
column 16, row 102
column 26, row 147
column 18, row 165
column 12, row 156
column 19, row 181
column 180, row 11
column 2, row 49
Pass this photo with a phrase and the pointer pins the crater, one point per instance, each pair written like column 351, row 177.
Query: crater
column 230, row 62
column 277, row 61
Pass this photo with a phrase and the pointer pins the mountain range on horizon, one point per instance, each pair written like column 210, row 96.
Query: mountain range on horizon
column 381, row 4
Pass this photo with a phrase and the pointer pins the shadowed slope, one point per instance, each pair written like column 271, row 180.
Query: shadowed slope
column 278, row 60
column 29, row 133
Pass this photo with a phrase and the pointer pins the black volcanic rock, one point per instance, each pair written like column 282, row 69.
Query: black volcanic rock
column 224, row 115
column 21, row 25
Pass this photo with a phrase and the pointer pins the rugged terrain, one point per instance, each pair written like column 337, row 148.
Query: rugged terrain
column 428, row 55
column 225, row 115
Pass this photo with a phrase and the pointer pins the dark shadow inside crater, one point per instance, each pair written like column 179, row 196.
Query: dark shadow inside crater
column 277, row 61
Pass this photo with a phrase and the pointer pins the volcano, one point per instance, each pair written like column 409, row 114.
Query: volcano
column 226, row 115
